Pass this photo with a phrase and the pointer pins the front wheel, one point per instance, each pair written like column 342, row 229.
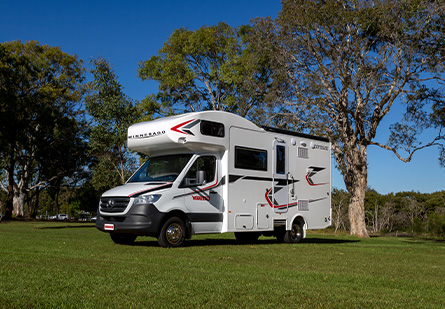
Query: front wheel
column 295, row 235
column 172, row 233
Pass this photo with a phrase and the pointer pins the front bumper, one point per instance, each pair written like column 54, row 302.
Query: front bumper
column 139, row 220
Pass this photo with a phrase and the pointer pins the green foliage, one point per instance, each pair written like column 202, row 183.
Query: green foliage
column 436, row 224
column 418, row 226
column 113, row 112
column 210, row 68
column 88, row 197
column 74, row 208
column 105, row 176
column 41, row 116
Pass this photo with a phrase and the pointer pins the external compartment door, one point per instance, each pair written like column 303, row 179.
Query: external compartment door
column 262, row 215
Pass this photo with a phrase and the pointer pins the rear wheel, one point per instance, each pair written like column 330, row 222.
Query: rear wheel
column 295, row 235
column 123, row 239
column 172, row 233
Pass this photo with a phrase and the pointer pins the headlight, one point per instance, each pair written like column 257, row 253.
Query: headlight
column 146, row 199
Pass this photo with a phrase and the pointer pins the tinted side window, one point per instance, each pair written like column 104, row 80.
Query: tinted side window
column 281, row 160
column 212, row 128
column 250, row 158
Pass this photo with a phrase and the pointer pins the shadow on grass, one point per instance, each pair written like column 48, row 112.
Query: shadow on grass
column 412, row 239
column 193, row 243
column 65, row 227
column 425, row 240
column 233, row 242
column 329, row 241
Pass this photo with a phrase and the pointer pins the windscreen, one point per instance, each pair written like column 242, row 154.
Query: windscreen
column 164, row 168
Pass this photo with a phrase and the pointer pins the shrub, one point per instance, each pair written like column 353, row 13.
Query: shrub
column 436, row 224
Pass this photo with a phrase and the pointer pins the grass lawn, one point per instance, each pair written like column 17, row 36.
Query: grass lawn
column 48, row 264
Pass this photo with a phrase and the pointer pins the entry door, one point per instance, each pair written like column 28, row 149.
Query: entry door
column 280, row 183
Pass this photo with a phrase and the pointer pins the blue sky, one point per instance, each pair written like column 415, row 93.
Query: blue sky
column 127, row 32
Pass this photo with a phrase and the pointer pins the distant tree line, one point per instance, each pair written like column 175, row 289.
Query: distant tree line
column 332, row 68
column 400, row 213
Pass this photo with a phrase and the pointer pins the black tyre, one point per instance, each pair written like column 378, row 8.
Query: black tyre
column 295, row 235
column 247, row 237
column 172, row 233
column 123, row 239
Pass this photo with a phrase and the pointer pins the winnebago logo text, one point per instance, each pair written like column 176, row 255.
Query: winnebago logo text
column 146, row 135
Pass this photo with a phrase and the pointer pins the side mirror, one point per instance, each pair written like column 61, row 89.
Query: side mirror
column 200, row 178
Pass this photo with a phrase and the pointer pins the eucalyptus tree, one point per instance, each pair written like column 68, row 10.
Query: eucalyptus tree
column 342, row 66
column 211, row 68
column 40, row 117
column 112, row 113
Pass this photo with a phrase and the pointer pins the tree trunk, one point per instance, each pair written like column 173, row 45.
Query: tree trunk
column 10, row 201
column 35, row 207
column 356, row 180
column 19, row 203
column 57, row 201
column 22, row 187
column 357, row 211
column 67, row 201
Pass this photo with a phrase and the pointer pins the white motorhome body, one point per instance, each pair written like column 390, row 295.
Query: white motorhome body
column 216, row 172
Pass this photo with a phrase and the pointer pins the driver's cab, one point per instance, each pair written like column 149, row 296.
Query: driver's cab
column 198, row 181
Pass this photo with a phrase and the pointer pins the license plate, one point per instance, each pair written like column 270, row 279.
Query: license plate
column 109, row 227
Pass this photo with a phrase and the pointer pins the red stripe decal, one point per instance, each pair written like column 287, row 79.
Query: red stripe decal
column 314, row 184
column 175, row 128
column 276, row 206
column 163, row 185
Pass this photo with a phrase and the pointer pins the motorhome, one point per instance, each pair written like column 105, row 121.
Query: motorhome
column 216, row 172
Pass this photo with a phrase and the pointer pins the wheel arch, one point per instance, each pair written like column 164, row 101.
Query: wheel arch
column 298, row 218
column 180, row 214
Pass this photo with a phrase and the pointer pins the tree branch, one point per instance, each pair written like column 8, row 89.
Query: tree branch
column 434, row 142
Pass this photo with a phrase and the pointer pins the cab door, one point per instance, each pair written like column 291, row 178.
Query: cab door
column 203, row 194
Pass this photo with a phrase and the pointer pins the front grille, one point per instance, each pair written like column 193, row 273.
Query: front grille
column 113, row 219
column 114, row 204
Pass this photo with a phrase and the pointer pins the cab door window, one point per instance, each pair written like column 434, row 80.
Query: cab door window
column 205, row 165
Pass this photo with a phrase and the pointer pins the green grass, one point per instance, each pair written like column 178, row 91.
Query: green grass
column 42, row 265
